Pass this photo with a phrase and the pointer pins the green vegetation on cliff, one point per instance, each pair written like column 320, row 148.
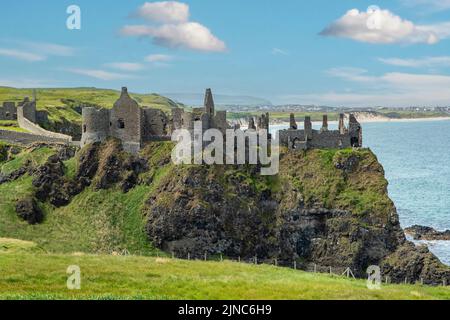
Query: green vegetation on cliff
column 63, row 104
column 338, row 197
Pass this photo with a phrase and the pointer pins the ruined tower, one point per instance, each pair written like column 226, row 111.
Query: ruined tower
column 209, row 103
column 342, row 128
column 251, row 124
column 324, row 123
column 308, row 128
column 292, row 122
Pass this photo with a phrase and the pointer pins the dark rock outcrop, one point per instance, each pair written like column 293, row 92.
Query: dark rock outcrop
column 427, row 233
column 28, row 210
column 318, row 212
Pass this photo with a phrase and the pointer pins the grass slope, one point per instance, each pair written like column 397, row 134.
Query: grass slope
column 104, row 221
column 61, row 102
column 40, row 276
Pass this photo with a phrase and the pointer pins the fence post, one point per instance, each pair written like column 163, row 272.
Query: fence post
column 239, row 259
column 205, row 256
column 256, row 259
column 331, row 272
column 173, row 255
column 444, row 282
column 315, row 268
column 421, row 281
column 221, row 257
column 189, row 256
column 406, row 280
column 276, row 262
column 295, row 265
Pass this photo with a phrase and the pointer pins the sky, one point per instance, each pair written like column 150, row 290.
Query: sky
column 337, row 53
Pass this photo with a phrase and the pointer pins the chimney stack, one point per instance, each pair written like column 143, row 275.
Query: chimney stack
column 341, row 124
column 209, row 103
column 308, row 128
column 325, row 123
column 293, row 123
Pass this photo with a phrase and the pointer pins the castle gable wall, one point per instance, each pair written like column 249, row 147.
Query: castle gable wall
column 127, row 120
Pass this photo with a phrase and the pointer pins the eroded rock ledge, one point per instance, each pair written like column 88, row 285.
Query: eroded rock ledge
column 427, row 233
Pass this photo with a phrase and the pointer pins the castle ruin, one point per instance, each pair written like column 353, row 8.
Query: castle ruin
column 126, row 121
column 208, row 116
column 308, row 138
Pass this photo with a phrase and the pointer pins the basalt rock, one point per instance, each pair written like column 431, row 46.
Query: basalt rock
column 310, row 213
column 427, row 233
column 28, row 210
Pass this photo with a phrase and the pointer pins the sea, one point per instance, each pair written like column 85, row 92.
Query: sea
column 416, row 158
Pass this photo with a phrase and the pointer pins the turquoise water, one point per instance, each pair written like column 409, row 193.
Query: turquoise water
column 416, row 158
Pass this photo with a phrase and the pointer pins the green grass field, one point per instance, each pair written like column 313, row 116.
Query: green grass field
column 27, row 273
column 60, row 103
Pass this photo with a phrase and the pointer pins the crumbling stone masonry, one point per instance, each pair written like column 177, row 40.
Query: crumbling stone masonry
column 308, row 138
column 210, row 118
column 126, row 121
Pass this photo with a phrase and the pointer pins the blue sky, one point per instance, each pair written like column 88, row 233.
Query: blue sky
column 286, row 51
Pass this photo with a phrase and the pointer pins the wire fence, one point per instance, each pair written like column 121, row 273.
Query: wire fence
column 346, row 272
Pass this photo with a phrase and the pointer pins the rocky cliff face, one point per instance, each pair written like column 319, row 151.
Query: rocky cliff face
column 326, row 208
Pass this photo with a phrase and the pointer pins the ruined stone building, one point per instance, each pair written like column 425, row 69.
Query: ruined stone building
column 308, row 138
column 134, row 125
column 8, row 111
column 127, row 121
column 208, row 116
column 26, row 108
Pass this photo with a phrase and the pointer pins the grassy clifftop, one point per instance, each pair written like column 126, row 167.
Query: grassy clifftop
column 62, row 104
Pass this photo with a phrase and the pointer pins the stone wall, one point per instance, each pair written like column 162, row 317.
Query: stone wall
column 27, row 138
column 35, row 129
column 324, row 138
column 8, row 111
column 28, row 110
column 155, row 123
column 96, row 125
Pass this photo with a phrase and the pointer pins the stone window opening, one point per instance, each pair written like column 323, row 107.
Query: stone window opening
column 84, row 128
column 121, row 124
column 7, row 115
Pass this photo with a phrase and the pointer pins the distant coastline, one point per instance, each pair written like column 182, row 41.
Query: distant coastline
column 361, row 119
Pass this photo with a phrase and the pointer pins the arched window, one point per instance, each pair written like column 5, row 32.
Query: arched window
column 120, row 124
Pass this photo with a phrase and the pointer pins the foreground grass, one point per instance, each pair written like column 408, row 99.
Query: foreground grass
column 40, row 276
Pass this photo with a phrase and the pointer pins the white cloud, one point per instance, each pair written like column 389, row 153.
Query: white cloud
column 21, row 55
column 190, row 35
column 427, row 62
column 278, row 51
column 383, row 27
column 393, row 89
column 99, row 74
column 350, row 74
column 50, row 49
column 125, row 66
column 158, row 58
column 173, row 28
column 165, row 12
